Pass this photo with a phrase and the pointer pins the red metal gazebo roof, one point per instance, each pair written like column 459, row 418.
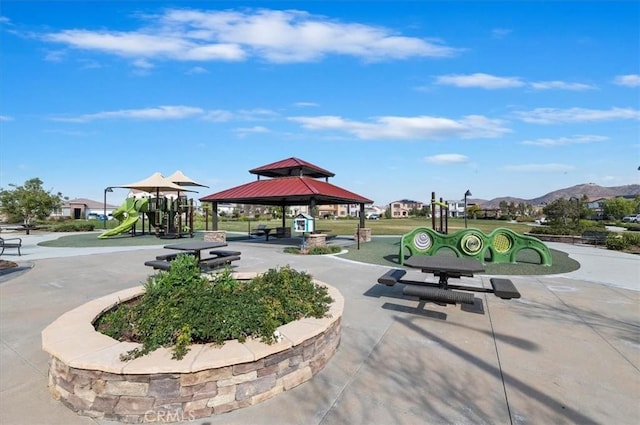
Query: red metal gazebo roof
column 287, row 191
column 291, row 167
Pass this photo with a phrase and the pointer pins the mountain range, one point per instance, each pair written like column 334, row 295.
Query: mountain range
column 591, row 190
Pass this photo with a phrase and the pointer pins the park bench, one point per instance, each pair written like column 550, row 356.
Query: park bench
column 594, row 237
column 10, row 243
column 261, row 230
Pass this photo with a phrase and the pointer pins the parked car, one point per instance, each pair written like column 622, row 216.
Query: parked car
column 632, row 218
column 372, row 217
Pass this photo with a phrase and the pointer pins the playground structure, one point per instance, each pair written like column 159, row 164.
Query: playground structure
column 443, row 209
column 502, row 245
column 169, row 217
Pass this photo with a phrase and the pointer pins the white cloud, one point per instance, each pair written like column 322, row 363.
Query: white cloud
column 197, row 70
column 630, row 80
column 562, row 141
column 272, row 35
column 5, row 118
column 412, row 128
column 244, row 131
column 447, row 158
column 539, row 168
column 54, row 56
column 573, row 115
column 258, row 114
column 142, row 64
column 305, row 104
column 561, row 85
column 500, row 32
column 157, row 113
column 480, row 80
column 218, row 115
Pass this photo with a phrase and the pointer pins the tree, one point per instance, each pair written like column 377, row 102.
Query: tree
column 619, row 207
column 28, row 202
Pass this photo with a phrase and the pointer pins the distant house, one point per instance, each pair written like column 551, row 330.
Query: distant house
column 403, row 207
column 81, row 208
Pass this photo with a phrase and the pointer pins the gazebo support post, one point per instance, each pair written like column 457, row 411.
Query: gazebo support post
column 214, row 216
column 283, row 207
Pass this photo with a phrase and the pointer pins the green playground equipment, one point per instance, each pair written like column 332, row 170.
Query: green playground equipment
column 500, row 246
column 128, row 215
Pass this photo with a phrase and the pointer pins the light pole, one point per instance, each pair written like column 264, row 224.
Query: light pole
column 467, row 193
column 104, row 222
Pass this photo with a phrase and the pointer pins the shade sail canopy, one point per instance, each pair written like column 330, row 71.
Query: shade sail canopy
column 181, row 180
column 155, row 183
column 287, row 191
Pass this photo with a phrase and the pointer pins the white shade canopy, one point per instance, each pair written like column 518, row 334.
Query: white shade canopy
column 180, row 179
column 155, row 183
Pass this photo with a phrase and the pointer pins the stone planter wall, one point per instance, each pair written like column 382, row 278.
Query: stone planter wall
column 215, row 236
column 87, row 375
column 315, row 239
column 365, row 234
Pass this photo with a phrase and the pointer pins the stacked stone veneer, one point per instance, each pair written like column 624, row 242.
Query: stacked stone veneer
column 87, row 375
column 215, row 236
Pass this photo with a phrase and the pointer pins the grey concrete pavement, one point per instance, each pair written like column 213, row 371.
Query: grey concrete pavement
column 567, row 352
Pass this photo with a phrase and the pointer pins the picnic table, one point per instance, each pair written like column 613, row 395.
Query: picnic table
column 445, row 268
column 195, row 248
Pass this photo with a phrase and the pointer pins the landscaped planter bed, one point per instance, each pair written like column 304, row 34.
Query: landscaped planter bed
column 87, row 374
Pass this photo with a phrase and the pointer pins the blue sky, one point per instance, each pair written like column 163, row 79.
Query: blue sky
column 398, row 99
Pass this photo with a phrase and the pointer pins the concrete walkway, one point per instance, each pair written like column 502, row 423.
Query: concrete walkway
column 567, row 352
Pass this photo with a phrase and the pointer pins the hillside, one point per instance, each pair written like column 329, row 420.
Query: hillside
column 592, row 191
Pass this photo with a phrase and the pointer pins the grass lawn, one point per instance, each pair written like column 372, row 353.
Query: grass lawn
column 381, row 250
column 397, row 226
column 384, row 251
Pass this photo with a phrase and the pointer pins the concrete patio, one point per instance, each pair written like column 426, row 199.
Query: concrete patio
column 567, row 352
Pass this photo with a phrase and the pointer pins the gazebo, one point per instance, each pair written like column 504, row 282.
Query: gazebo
column 288, row 182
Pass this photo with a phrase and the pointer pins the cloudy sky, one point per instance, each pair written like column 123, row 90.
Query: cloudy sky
column 398, row 99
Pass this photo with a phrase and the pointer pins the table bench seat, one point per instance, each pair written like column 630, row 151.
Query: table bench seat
column 158, row 264
column 171, row 257
column 224, row 253
column 431, row 293
column 504, row 288
column 212, row 263
column 392, row 277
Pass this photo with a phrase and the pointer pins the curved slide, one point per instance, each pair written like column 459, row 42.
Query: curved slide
column 128, row 215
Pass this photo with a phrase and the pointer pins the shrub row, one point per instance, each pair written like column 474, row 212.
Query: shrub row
column 180, row 307
column 316, row 250
column 623, row 241
column 73, row 227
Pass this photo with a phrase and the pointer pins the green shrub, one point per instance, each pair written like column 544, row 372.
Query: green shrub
column 73, row 227
column 316, row 250
column 180, row 307
column 616, row 242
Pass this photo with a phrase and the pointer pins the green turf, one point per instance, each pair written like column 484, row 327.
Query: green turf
column 384, row 251
column 381, row 250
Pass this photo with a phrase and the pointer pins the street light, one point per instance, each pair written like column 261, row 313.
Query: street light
column 104, row 223
column 467, row 193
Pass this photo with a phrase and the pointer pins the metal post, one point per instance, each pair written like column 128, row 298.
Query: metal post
column 107, row 189
column 467, row 193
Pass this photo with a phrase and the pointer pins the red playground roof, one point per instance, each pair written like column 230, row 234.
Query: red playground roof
column 287, row 191
column 291, row 167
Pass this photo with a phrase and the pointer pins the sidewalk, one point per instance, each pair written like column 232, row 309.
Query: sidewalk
column 567, row 352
